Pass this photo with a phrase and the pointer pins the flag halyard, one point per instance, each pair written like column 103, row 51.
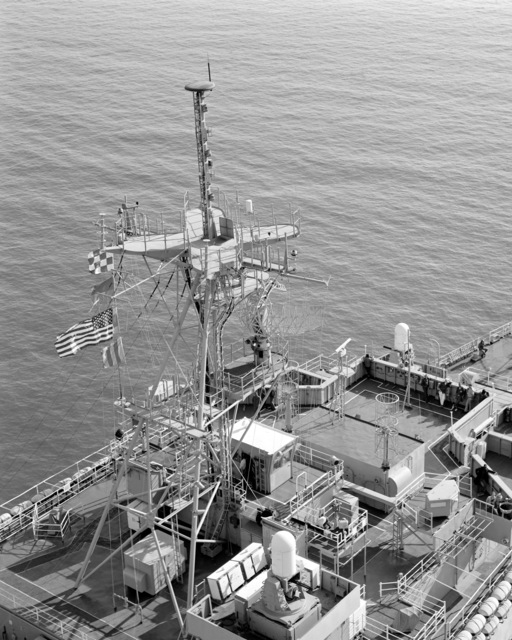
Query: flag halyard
column 86, row 333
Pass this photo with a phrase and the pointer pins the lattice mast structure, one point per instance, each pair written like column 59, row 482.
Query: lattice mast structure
column 206, row 308
column 212, row 252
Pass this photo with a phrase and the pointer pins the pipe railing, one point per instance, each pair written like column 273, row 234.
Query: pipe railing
column 454, row 356
column 41, row 615
column 483, row 591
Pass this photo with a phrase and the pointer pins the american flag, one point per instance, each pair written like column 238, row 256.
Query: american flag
column 86, row 333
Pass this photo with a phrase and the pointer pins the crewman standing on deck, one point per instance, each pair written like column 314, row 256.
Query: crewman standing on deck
column 367, row 362
column 424, row 384
column 470, row 393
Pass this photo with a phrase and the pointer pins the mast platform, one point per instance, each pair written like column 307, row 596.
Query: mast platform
column 221, row 250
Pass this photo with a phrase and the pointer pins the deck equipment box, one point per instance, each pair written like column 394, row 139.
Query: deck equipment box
column 266, row 454
column 225, row 581
column 442, row 499
column 251, row 559
column 143, row 569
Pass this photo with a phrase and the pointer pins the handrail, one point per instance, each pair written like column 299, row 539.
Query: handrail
column 303, row 497
column 341, row 540
column 420, row 568
column 454, row 356
column 64, row 485
column 430, row 605
column 283, row 508
column 37, row 612
column 322, row 362
column 69, row 482
column 492, row 379
column 253, row 378
column 488, row 584
column 424, row 480
column 306, row 454
column 458, row 354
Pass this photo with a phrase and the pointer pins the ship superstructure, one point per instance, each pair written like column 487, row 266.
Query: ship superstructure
column 248, row 495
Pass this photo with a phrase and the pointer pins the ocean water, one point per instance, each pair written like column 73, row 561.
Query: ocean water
column 387, row 122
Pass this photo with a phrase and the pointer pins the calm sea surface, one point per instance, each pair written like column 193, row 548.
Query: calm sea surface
column 387, row 122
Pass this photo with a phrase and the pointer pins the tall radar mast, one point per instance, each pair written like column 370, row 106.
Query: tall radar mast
column 204, row 157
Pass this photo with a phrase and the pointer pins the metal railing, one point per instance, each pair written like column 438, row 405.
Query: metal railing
column 410, row 490
column 41, row 615
column 64, row 485
column 326, row 363
column 423, row 481
column 315, row 488
column 46, row 528
column 133, row 223
column 308, row 455
column 483, row 591
column 487, row 377
column 434, row 608
column 257, row 377
column 458, row 354
column 339, row 540
column 421, row 517
column 280, row 509
column 21, row 509
column 420, row 569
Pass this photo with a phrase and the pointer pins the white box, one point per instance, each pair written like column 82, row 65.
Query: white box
column 225, row 580
column 442, row 499
column 134, row 519
column 252, row 560
column 134, row 579
column 312, row 570
column 144, row 558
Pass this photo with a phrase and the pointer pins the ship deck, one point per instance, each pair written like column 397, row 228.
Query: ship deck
column 495, row 374
column 37, row 577
column 494, row 368
column 354, row 434
column 42, row 573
